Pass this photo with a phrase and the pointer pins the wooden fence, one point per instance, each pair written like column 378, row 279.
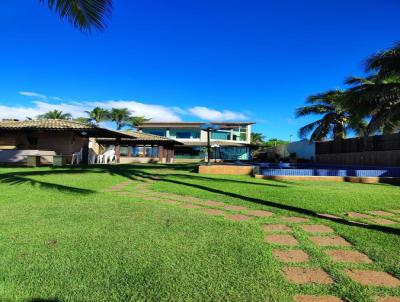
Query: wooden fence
column 380, row 150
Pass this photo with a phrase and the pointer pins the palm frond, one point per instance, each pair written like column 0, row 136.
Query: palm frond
column 83, row 14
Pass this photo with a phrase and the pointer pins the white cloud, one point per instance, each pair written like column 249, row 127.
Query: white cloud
column 157, row 113
column 33, row 94
column 215, row 115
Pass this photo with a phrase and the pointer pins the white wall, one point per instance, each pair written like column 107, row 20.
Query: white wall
column 303, row 149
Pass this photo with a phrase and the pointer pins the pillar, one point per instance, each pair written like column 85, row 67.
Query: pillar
column 85, row 150
column 118, row 149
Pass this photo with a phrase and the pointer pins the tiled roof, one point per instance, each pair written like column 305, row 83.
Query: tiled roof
column 192, row 124
column 146, row 136
column 54, row 124
column 220, row 143
column 140, row 137
column 45, row 124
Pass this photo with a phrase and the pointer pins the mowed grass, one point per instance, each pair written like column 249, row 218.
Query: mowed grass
column 62, row 238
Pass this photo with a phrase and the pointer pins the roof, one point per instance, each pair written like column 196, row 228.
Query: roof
column 192, row 124
column 140, row 138
column 220, row 143
column 59, row 125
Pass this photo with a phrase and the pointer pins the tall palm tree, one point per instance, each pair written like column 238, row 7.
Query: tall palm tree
column 83, row 14
column 385, row 63
column 257, row 138
column 120, row 116
column 136, row 121
column 98, row 115
column 378, row 98
column 334, row 121
column 55, row 114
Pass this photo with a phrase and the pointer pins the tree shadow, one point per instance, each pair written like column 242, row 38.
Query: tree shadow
column 310, row 213
column 43, row 300
column 18, row 178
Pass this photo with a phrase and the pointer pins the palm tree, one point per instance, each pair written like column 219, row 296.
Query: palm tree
column 378, row 98
column 385, row 63
column 98, row 115
column 55, row 114
column 82, row 120
column 83, row 14
column 335, row 119
column 120, row 116
column 257, row 138
column 136, row 121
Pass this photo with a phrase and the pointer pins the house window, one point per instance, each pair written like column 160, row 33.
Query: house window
column 183, row 134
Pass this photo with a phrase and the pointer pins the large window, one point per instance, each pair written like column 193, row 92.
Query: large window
column 183, row 134
column 159, row 133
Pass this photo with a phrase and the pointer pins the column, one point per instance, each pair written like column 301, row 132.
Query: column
column 118, row 149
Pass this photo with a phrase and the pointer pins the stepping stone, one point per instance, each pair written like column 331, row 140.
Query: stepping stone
column 282, row 239
column 316, row 228
column 213, row 212
column 302, row 275
column 358, row 215
column 190, row 206
column 295, row 219
column 382, row 221
column 348, row 256
column 212, row 203
column 276, row 228
column 367, row 277
column 330, row 241
column 260, row 213
column 291, row 255
column 387, row 299
column 238, row 217
column 311, row 298
column 235, row 208
column 381, row 213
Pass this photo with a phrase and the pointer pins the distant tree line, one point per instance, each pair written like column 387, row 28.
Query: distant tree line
column 122, row 117
column 369, row 105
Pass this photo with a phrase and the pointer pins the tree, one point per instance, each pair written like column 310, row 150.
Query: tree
column 377, row 98
column 97, row 115
column 83, row 14
column 82, row 120
column 257, row 138
column 385, row 63
column 136, row 121
column 55, row 114
column 120, row 116
column 273, row 142
column 334, row 121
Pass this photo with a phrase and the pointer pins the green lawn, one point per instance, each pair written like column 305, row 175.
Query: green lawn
column 62, row 238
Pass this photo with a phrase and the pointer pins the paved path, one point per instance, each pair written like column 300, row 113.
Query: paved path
column 286, row 236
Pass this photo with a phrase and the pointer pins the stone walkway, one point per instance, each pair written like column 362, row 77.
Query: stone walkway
column 285, row 239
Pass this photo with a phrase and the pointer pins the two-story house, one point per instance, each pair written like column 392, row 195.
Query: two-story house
column 230, row 140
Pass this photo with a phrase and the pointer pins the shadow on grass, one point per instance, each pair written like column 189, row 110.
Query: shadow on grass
column 310, row 213
column 42, row 300
column 22, row 177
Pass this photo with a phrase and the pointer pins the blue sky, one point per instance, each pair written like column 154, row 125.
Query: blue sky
column 190, row 60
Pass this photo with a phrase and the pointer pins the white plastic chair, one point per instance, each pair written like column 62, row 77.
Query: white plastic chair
column 76, row 157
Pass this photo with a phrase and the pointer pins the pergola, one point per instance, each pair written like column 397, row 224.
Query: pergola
column 137, row 139
column 62, row 136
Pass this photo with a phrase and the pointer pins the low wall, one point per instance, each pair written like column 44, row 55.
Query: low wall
column 364, row 180
column 140, row 160
column 368, row 158
column 19, row 156
column 226, row 169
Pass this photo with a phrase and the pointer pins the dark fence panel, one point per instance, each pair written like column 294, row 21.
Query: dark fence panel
column 387, row 142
